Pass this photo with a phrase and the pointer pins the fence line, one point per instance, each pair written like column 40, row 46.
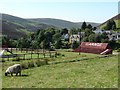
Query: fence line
column 29, row 54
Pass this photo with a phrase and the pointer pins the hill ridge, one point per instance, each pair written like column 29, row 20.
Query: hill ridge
column 116, row 17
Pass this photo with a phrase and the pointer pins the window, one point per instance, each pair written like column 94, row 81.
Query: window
column 118, row 36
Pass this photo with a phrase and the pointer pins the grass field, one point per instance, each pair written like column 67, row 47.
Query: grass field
column 92, row 73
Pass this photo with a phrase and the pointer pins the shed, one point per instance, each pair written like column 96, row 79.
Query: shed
column 96, row 48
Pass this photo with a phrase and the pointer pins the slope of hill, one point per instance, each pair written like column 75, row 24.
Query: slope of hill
column 61, row 23
column 18, row 27
column 115, row 18
column 12, row 30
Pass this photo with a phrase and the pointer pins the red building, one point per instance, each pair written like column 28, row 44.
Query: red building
column 96, row 48
column 4, row 46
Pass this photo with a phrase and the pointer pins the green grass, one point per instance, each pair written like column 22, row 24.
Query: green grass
column 117, row 23
column 24, row 31
column 93, row 73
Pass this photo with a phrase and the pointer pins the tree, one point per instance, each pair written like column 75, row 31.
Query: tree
column 84, row 25
column 89, row 26
column 66, row 45
column 85, row 39
column 34, row 44
column 56, row 36
column 104, row 36
column 110, row 25
column 5, row 40
column 94, row 28
column 88, row 32
column 114, row 27
column 48, row 36
column 41, row 36
column 98, row 38
column 64, row 31
column 58, row 44
column 73, row 31
column 75, row 45
column 45, row 44
column 91, row 38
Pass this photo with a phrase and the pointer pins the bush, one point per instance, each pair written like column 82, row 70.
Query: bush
column 31, row 64
column 16, row 59
column 25, row 65
column 41, row 62
column 58, row 54
column 38, row 63
column 118, row 50
column 83, row 55
column 75, row 45
column 115, row 45
column 2, row 60
column 46, row 61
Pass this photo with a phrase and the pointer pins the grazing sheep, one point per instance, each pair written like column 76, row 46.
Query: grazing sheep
column 15, row 69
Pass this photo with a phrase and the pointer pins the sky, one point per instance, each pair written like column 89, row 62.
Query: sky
column 70, row 10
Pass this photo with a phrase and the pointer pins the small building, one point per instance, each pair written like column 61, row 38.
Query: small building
column 98, row 31
column 108, row 31
column 65, row 37
column 118, row 35
column 76, row 37
column 96, row 48
column 114, row 36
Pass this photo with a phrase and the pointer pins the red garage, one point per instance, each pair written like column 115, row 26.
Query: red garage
column 96, row 48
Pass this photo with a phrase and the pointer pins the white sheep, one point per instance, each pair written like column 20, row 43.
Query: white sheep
column 15, row 69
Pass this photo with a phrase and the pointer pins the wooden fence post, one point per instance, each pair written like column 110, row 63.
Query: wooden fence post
column 44, row 53
column 55, row 54
column 31, row 55
column 2, row 58
column 8, row 57
column 50, row 53
column 46, row 61
column 16, row 49
column 24, row 57
column 38, row 55
column 26, row 50
column 11, row 50
column 37, row 50
column 21, row 49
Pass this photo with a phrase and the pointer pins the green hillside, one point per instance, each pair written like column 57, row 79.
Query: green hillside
column 30, row 26
column 19, row 27
column 117, row 23
column 115, row 18
column 61, row 23
column 15, row 27
column 12, row 30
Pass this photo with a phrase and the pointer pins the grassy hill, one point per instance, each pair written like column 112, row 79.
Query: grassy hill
column 18, row 26
column 61, row 23
column 115, row 18
column 91, row 73
column 12, row 30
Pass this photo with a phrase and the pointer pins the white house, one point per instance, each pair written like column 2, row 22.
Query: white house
column 98, row 31
column 115, row 36
column 76, row 37
column 108, row 31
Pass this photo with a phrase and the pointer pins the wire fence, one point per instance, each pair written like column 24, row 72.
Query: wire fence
column 16, row 54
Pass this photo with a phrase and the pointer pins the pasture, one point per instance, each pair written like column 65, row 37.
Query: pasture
column 67, row 70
